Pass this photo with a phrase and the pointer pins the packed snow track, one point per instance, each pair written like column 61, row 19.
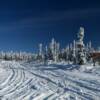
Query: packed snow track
column 34, row 81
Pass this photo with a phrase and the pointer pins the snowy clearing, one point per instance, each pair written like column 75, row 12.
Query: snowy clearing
column 33, row 81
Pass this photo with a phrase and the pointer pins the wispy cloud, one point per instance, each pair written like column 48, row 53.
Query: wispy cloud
column 49, row 18
column 68, row 14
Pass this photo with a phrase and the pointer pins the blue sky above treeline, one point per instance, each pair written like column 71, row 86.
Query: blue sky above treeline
column 25, row 23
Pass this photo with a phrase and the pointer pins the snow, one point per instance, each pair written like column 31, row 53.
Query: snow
column 35, row 81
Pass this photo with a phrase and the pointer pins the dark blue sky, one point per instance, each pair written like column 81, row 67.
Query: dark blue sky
column 25, row 23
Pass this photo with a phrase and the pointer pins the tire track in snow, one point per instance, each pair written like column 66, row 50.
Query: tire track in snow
column 14, row 84
column 49, row 85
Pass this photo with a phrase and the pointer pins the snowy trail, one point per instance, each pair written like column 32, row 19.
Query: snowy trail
column 31, row 81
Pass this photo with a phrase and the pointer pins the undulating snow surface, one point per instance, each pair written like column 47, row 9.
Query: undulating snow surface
column 33, row 81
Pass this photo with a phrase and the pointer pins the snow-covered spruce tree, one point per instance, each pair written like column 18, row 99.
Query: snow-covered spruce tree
column 57, row 50
column 81, row 56
column 50, row 54
column 74, row 52
column 46, row 58
column 52, row 48
column 2, row 55
column 67, row 52
column 40, row 55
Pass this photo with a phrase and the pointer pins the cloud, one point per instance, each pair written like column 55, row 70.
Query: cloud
column 70, row 14
column 48, row 18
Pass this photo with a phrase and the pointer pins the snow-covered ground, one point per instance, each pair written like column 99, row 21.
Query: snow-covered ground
column 34, row 81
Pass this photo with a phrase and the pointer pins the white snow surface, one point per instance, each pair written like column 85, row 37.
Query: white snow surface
column 34, row 81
